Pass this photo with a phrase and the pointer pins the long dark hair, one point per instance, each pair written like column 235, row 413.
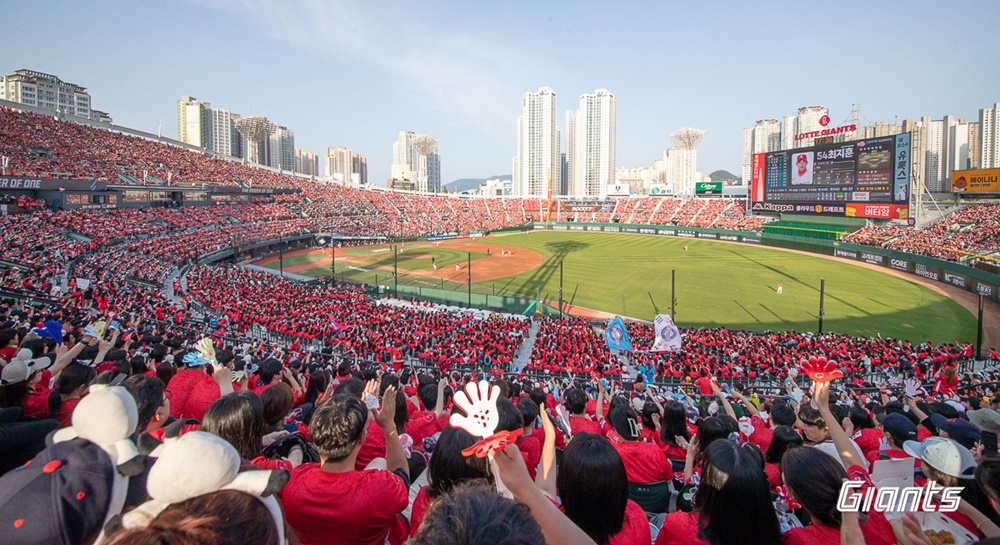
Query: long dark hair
column 226, row 517
column 593, row 486
column 815, row 478
column 733, row 500
column 72, row 377
column 448, row 467
column 278, row 402
column 782, row 439
column 318, row 381
column 239, row 419
column 673, row 423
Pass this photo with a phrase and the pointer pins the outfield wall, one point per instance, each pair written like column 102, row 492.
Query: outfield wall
column 947, row 272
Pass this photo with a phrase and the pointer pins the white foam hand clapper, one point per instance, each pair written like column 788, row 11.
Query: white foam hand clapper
column 479, row 403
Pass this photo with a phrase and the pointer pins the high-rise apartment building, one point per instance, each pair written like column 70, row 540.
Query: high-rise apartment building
column 46, row 91
column 201, row 125
column 409, row 165
column 345, row 165
column 594, row 157
column 306, row 162
column 766, row 135
column 989, row 137
column 537, row 167
column 975, row 136
column 279, row 149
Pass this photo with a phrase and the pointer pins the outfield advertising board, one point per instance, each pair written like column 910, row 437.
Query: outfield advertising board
column 984, row 180
column 708, row 188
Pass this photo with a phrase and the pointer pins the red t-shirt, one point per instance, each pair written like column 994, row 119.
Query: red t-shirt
column 579, row 424
column 65, row 413
column 877, row 530
column 704, row 385
column 531, row 451
column 773, row 473
column 868, row 440
column 635, row 530
column 892, row 454
column 420, row 505
column 680, row 528
column 204, row 392
column 373, row 447
column 352, row 507
column 644, row 462
column 36, row 403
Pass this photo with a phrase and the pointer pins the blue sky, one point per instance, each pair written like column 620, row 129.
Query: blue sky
column 355, row 73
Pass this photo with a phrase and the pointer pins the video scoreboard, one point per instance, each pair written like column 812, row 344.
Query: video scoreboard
column 861, row 178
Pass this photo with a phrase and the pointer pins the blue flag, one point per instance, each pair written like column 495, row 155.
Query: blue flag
column 616, row 335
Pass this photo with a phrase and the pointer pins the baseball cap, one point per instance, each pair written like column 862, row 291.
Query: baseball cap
column 959, row 430
column 944, row 455
column 61, row 496
column 21, row 367
column 801, row 157
column 985, row 419
column 898, row 426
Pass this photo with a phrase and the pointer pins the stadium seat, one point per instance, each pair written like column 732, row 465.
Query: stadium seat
column 654, row 498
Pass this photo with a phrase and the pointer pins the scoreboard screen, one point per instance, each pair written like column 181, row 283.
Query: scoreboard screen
column 846, row 178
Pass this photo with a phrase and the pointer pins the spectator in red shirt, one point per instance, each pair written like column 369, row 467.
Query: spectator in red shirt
column 73, row 383
column 783, row 439
column 593, row 488
column 331, row 502
column 897, row 429
column 576, row 403
column 732, row 505
column 674, row 431
column 447, row 469
column 151, row 401
column 644, row 462
column 239, row 419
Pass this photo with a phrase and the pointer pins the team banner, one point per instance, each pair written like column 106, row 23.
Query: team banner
column 668, row 337
column 617, row 336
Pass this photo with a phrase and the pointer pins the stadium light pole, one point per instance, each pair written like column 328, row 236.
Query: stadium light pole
column 468, row 276
column 822, row 292
column 395, row 275
column 979, row 330
column 333, row 262
column 560, row 289
column 281, row 256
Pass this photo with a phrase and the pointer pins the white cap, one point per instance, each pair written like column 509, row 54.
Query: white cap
column 944, row 455
column 20, row 368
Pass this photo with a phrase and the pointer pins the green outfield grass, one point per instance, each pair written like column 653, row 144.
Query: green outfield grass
column 717, row 284
column 419, row 257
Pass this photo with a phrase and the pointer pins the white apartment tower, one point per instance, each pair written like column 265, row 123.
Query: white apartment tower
column 49, row 92
column 424, row 171
column 201, row 125
column 808, row 121
column 537, row 165
column 989, row 137
column 594, row 156
column 306, row 162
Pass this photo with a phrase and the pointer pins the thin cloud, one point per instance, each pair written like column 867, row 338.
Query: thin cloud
column 454, row 72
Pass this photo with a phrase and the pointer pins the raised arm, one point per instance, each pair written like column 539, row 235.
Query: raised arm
column 845, row 447
column 545, row 478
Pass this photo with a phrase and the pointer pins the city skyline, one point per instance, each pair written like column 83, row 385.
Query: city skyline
column 458, row 71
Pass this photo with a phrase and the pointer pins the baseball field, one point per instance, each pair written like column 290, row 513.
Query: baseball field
column 717, row 283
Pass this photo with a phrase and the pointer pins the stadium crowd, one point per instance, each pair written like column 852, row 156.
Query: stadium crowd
column 342, row 443
column 323, row 435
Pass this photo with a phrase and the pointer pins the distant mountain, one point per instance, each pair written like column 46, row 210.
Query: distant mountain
column 466, row 184
column 723, row 176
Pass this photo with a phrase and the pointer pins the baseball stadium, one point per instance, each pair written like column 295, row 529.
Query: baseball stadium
column 208, row 341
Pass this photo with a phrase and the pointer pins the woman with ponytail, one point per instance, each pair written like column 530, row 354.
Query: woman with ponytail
column 73, row 383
